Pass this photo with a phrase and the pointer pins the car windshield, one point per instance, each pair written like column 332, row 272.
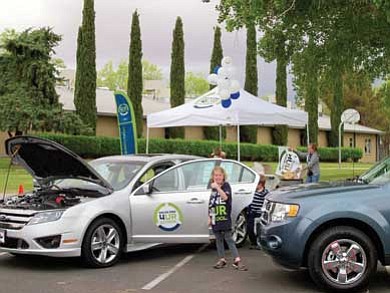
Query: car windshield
column 118, row 174
column 378, row 174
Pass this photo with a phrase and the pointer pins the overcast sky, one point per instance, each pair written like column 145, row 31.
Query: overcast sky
column 157, row 19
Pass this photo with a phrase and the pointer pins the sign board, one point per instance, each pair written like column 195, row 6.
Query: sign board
column 288, row 162
column 350, row 116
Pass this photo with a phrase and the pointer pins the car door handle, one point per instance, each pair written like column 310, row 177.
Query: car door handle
column 195, row 201
column 243, row 191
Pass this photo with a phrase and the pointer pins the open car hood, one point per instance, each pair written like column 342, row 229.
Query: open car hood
column 47, row 160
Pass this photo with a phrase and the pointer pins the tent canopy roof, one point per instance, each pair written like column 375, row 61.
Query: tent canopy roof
column 207, row 110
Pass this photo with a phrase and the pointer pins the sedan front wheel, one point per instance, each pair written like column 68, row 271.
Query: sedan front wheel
column 102, row 245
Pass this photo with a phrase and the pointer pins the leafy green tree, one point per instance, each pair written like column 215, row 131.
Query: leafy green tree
column 85, row 85
column 177, row 74
column 116, row 78
column 151, row 71
column 195, row 84
column 135, row 84
column 28, row 100
column 249, row 133
column 212, row 133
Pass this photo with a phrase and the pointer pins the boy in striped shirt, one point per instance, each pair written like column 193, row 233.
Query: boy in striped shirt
column 254, row 210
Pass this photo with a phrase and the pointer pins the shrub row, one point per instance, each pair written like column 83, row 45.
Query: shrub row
column 93, row 147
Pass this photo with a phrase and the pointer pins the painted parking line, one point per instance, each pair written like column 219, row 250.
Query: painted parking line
column 168, row 273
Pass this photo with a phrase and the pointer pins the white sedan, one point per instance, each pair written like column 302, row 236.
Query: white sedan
column 114, row 204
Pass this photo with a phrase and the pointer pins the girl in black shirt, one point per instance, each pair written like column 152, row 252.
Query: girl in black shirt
column 220, row 208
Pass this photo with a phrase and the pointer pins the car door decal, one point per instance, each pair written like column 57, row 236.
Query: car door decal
column 168, row 217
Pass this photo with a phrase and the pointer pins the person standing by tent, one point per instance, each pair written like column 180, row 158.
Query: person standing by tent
column 218, row 153
column 313, row 162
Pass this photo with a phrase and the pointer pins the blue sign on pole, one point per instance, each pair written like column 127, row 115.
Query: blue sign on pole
column 126, row 123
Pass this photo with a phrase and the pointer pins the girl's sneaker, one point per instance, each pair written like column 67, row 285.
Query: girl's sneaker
column 220, row 264
column 238, row 265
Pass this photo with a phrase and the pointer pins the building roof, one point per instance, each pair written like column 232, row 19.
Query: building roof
column 105, row 102
column 106, row 107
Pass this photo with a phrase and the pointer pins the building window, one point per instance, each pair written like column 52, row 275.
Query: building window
column 351, row 142
column 367, row 146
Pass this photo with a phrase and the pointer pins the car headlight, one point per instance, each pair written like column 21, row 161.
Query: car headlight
column 281, row 212
column 45, row 217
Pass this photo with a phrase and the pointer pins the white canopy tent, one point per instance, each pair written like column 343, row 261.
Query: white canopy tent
column 208, row 111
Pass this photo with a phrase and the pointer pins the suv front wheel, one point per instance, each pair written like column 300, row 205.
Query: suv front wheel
column 342, row 259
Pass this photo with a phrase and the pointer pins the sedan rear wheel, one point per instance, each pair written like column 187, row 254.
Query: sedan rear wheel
column 102, row 244
column 240, row 231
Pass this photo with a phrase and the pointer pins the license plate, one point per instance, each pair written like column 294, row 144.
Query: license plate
column 2, row 236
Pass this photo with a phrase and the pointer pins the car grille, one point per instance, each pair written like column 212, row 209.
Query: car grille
column 13, row 221
column 14, row 243
column 266, row 212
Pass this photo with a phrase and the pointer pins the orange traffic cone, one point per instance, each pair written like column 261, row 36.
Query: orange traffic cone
column 21, row 190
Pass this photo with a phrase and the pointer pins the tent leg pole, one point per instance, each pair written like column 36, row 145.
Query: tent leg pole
column 238, row 143
column 147, row 140
column 220, row 136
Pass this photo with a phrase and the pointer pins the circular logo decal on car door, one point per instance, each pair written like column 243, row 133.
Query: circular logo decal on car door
column 168, row 217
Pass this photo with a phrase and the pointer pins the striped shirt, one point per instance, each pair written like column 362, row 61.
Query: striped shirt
column 258, row 201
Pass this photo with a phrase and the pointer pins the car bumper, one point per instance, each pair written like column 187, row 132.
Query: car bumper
column 26, row 240
column 285, row 242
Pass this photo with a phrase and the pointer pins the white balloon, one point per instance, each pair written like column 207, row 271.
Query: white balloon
column 234, row 86
column 224, row 94
column 227, row 61
column 223, row 83
column 223, row 72
column 231, row 71
column 213, row 79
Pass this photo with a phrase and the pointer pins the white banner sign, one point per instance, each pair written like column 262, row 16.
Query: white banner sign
column 289, row 163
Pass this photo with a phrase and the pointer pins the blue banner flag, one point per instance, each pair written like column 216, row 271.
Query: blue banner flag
column 127, row 124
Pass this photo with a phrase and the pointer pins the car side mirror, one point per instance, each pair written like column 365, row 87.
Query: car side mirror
column 147, row 188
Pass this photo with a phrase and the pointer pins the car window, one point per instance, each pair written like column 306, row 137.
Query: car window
column 189, row 177
column 378, row 173
column 237, row 173
column 152, row 172
column 197, row 175
column 168, row 182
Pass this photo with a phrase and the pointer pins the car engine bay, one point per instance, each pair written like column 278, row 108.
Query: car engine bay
column 46, row 199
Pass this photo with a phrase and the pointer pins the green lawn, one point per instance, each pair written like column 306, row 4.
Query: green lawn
column 329, row 172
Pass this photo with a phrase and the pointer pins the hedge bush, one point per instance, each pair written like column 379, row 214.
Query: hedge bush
column 98, row 146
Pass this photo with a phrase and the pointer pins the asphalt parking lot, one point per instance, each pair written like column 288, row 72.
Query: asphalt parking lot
column 182, row 268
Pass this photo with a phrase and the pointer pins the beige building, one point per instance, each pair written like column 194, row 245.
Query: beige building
column 354, row 135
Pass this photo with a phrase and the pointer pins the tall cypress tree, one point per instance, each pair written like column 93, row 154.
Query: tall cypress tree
column 85, row 86
column 177, row 75
column 134, row 83
column 212, row 133
column 249, row 133
column 280, row 132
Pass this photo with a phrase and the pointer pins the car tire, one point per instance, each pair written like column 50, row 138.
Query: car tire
column 240, row 231
column 103, row 244
column 341, row 259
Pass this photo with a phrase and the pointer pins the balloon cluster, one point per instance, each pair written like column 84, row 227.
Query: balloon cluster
column 228, row 88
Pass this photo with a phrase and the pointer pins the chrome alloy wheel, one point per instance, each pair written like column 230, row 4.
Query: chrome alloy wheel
column 240, row 229
column 344, row 261
column 105, row 243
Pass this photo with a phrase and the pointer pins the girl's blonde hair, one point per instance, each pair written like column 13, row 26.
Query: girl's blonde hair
column 220, row 169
